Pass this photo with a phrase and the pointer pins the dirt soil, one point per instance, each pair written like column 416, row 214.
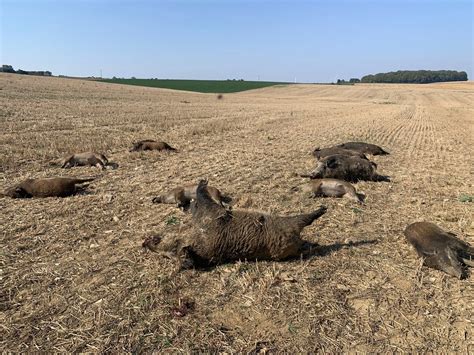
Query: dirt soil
column 74, row 276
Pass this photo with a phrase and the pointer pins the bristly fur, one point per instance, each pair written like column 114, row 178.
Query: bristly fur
column 47, row 187
column 149, row 144
column 323, row 153
column 348, row 168
column 362, row 147
column 439, row 249
column 223, row 235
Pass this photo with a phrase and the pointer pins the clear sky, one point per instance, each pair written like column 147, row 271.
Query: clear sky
column 312, row 41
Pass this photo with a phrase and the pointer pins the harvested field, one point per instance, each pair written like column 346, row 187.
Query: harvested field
column 74, row 276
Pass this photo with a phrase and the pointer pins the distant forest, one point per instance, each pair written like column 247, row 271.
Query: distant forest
column 5, row 68
column 416, row 76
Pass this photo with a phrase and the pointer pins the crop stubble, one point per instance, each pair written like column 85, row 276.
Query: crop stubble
column 74, row 275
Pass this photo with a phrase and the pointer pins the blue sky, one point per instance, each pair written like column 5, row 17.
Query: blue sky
column 312, row 41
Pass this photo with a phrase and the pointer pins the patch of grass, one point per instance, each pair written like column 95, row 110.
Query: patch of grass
column 172, row 221
column 205, row 86
column 466, row 198
column 165, row 341
column 292, row 329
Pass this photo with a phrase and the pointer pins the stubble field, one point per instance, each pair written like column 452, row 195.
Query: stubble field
column 74, row 276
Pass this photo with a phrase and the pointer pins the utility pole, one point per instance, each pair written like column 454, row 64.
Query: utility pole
column 101, row 73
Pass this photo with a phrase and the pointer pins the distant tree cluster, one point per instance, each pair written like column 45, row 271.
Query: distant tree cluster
column 9, row 69
column 343, row 82
column 416, row 76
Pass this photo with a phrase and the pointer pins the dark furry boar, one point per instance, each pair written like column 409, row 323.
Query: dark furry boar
column 348, row 168
column 151, row 145
column 324, row 152
column 365, row 148
column 439, row 249
column 232, row 235
column 48, row 187
column 223, row 236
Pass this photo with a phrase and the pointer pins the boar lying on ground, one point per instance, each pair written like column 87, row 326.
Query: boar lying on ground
column 439, row 249
column 222, row 235
column 47, row 187
column 324, row 152
column 182, row 196
column 151, row 145
column 365, row 148
column 348, row 168
column 331, row 188
column 87, row 159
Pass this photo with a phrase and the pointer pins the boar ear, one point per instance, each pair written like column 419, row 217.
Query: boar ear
column 332, row 163
column 202, row 184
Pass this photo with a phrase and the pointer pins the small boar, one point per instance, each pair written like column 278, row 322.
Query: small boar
column 439, row 249
column 151, row 145
column 319, row 153
column 365, row 148
column 182, row 196
column 331, row 188
column 87, row 159
column 47, row 187
column 348, row 168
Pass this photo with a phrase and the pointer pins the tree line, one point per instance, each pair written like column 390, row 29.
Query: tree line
column 416, row 76
column 5, row 68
